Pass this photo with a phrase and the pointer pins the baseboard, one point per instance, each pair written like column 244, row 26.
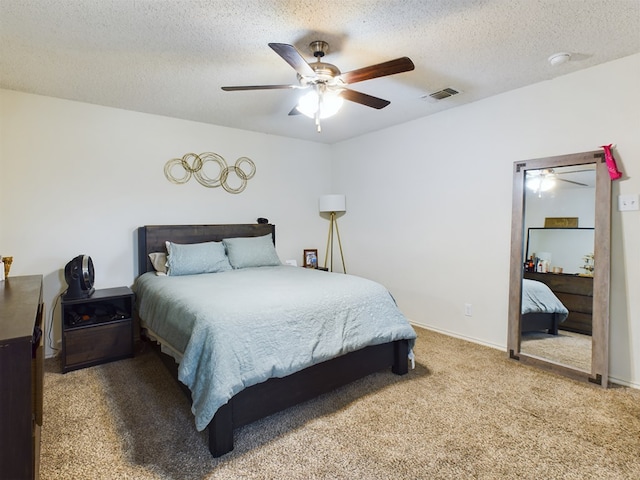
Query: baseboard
column 617, row 381
column 624, row 383
column 462, row 337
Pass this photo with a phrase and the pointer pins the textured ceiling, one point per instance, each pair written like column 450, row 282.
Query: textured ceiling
column 170, row 57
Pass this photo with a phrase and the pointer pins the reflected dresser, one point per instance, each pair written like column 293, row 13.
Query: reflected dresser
column 576, row 293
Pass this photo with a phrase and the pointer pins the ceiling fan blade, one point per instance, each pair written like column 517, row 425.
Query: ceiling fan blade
column 258, row 87
column 569, row 172
column 364, row 99
column 391, row 67
column 571, row 181
column 293, row 58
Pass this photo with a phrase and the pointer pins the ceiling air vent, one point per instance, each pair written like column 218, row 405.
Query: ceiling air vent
column 441, row 94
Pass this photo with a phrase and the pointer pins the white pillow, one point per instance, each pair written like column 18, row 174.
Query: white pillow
column 159, row 262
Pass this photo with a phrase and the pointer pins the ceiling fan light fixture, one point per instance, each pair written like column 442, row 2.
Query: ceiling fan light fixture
column 541, row 183
column 328, row 103
column 329, row 85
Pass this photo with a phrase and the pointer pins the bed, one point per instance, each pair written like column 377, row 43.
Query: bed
column 303, row 351
column 541, row 309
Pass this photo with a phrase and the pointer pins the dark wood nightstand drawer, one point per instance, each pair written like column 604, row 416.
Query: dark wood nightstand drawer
column 98, row 344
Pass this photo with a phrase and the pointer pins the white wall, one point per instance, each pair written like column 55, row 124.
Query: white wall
column 80, row 178
column 567, row 247
column 429, row 202
column 569, row 202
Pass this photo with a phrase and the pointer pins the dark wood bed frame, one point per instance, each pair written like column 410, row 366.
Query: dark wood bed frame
column 533, row 322
column 275, row 394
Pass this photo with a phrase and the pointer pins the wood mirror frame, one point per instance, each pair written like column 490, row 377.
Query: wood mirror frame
column 599, row 373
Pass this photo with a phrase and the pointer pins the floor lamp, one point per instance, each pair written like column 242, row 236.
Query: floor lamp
column 333, row 204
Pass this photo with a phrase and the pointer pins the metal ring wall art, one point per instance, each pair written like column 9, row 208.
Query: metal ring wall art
column 194, row 165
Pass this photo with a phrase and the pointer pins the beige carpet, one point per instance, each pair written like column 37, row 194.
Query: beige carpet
column 465, row 412
column 566, row 348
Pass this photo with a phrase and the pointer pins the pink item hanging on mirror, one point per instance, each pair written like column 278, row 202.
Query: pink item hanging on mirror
column 614, row 173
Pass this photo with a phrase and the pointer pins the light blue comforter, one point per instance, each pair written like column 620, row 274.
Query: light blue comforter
column 242, row 327
column 538, row 298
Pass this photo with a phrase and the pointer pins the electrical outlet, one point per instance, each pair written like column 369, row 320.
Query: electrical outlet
column 628, row 202
column 467, row 310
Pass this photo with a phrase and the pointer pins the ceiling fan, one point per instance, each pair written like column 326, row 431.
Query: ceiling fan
column 543, row 180
column 327, row 85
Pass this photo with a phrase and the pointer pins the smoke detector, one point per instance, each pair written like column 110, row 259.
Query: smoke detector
column 559, row 58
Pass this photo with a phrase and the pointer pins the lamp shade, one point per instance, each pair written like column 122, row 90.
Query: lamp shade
column 332, row 203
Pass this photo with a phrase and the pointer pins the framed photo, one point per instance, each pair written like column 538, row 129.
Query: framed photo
column 310, row 258
column 561, row 222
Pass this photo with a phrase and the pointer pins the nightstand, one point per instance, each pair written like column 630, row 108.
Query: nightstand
column 97, row 329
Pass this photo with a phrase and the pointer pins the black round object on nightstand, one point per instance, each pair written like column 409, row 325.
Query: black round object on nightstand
column 80, row 275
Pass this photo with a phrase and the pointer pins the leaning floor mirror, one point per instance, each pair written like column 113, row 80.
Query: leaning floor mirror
column 560, row 260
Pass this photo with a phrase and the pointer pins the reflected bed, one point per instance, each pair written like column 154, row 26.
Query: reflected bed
column 541, row 309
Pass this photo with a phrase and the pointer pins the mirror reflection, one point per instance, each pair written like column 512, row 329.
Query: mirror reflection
column 557, row 284
column 560, row 250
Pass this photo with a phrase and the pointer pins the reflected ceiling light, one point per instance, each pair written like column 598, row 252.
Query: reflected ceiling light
column 542, row 182
column 320, row 103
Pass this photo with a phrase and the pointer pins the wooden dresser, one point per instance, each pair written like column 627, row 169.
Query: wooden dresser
column 576, row 293
column 21, row 374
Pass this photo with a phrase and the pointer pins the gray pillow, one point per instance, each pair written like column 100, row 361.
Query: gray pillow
column 246, row 252
column 195, row 258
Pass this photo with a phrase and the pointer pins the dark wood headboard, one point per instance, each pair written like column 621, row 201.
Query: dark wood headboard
column 152, row 238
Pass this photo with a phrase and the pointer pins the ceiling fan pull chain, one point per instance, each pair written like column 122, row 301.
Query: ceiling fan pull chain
column 319, row 109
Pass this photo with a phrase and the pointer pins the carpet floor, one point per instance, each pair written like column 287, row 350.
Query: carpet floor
column 566, row 348
column 465, row 412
